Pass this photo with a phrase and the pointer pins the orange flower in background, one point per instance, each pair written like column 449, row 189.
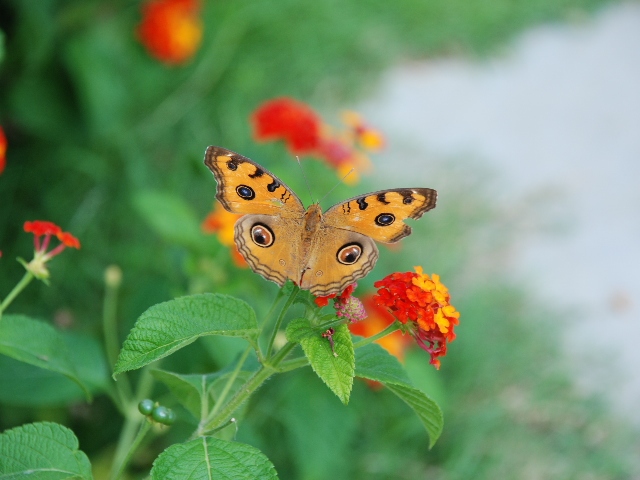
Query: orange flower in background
column 3, row 150
column 305, row 133
column 378, row 319
column 171, row 30
column 41, row 228
column 289, row 120
column 222, row 223
column 422, row 303
column 368, row 138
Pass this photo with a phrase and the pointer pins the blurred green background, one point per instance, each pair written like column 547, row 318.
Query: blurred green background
column 108, row 142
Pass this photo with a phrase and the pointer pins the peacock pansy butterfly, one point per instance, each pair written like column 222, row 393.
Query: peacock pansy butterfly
column 320, row 252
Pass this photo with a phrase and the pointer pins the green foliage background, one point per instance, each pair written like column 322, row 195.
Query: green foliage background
column 108, row 143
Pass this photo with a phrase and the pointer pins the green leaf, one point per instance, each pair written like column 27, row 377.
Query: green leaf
column 374, row 363
column 42, row 451
column 336, row 371
column 169, row 326
column 27, row 385
column 190, row 390
column 171, row 217
column 37, row 343
column 427, row 410
column 210, row 457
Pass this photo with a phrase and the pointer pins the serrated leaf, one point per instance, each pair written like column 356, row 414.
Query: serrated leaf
column 427, row 410
column 169, row 326
column 209, row 458
column 43, row 451
column 298, row 329
column 171, row 217
column 37, row 343
column 374, row 363
column 336, row 371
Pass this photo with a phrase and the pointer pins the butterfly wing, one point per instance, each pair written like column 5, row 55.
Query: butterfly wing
column 380, row 215
column 269, row 246
column 337, row 259
column 246, row 187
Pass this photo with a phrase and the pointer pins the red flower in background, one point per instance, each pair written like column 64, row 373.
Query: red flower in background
column 421, row 303
column 304, row 133
column 171, row 30
column 3, row 150
column 45, row 229
column 289, row 120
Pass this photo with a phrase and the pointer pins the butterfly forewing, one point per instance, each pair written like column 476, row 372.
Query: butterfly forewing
column 246, row 187
column 380, row 215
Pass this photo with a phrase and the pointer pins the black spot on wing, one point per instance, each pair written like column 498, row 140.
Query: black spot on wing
column 258, row 173
column 381, row 197
column 273, row 186
column 362, row 203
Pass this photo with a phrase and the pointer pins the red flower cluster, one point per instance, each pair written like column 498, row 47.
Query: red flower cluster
column 305, row 133
column 347, row 306
column 3, row 150
column 377, row 320
column 171, row 30
column 289, row 120
column 421, row 303
column 45, row 229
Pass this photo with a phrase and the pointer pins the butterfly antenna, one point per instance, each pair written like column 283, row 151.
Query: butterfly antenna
column 336, row 185
column 306, row 180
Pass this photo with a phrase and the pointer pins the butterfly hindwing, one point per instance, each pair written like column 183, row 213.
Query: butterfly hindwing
column 246, row 187
column 328, row 270
column 380, row 215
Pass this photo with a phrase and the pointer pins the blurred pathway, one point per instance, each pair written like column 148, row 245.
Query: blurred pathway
column 560, row 109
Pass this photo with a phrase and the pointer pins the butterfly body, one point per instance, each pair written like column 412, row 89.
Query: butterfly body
column 320, row 252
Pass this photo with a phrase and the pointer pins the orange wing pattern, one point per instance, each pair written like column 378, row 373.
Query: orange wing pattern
column 246, row 187
column 380, row 215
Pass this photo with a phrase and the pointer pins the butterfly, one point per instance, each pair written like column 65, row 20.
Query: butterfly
column 320, row 252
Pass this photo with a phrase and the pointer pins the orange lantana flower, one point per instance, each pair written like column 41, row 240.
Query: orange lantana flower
column 377, row 320
column 3, row 150
column 171, row 30
column 41, row 228
column 222, row 223
column 422, row 304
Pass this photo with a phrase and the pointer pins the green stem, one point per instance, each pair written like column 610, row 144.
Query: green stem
column 238, row 399
column 390, row 329
column 110, row 333
column 276, row 327
column 144, row 428
column 246, row 390
column 26, row 279
column 232, row 378
column 131, row 422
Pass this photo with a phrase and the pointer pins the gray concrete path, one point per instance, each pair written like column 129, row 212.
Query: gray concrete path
column 558, row 110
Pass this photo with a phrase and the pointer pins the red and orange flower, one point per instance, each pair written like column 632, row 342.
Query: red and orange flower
column 289, row 120
column 171, row 30
column 422, row 304
column 305, row 133
column 48, row 230
column 3, row 150
column 221, row 223
column 379, row 318
column 347, row 306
